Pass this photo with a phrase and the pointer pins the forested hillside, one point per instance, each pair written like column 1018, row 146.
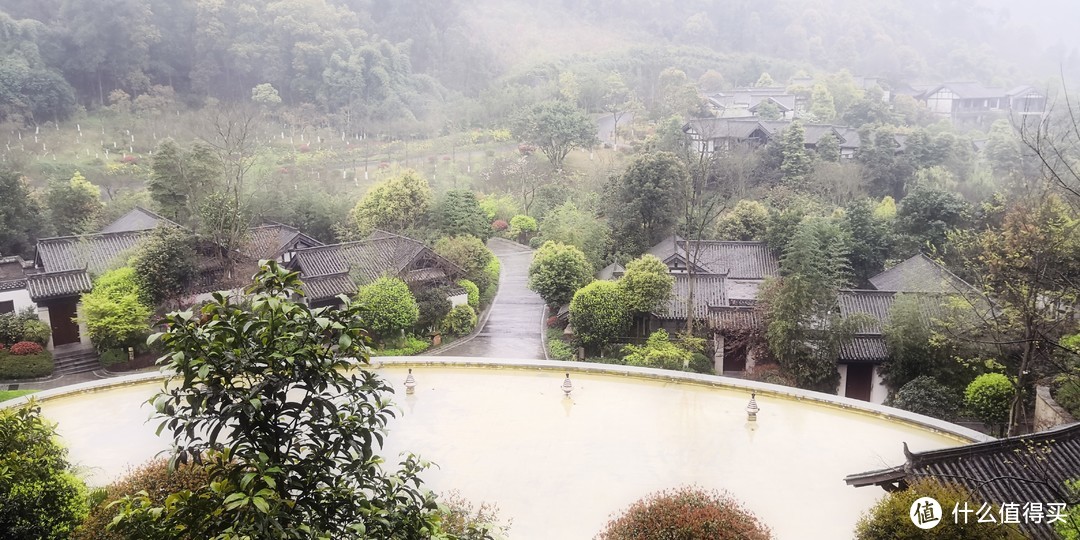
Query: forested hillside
column 363, row 61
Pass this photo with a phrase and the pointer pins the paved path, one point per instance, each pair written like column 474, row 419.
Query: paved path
column 514, row 325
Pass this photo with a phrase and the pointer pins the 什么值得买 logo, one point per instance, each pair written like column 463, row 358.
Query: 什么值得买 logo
column 925, row 513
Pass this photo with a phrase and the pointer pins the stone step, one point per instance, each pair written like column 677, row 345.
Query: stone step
column 76, row 362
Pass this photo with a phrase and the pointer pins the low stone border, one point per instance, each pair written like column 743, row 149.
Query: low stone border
column 960, row 433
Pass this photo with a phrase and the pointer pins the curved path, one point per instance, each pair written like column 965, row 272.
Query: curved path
column 513, row 326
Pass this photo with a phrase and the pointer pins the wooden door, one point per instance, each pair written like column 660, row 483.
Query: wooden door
column 61, row 317
column 860, row 378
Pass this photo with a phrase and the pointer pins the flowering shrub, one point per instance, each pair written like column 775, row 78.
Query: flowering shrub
column 305, row 147
column 686, row 513
column 552, row 321
column 24, row 348
column 499, row 225
column 129, row 159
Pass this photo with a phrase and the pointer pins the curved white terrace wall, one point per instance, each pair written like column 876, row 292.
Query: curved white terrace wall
column 502, row 431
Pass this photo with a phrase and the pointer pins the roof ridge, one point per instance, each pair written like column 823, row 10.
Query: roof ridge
column 96, row 234
column 1070, row 430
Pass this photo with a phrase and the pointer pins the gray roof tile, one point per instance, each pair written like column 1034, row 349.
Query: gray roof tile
column 708, row 294
column 920, row 274
column 138, row 219
column 95, row 253
column 57, row 284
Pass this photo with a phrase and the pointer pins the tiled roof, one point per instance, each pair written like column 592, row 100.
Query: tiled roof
column 611, row 271
column 268, row 241
column 725, row 128
column 138, row 219
column 735, row 318
column 708, row 294
column 57, row 284
column 323, row 287
column 94, row 252
column 1026, row 468
column 920, row 274
column 864, row 349
column 369, row 258
column 739, row 260
column 878, row 305
column 421, row 275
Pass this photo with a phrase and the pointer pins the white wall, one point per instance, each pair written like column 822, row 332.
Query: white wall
column 878, row 391
column 458, row 300
column 21, row 297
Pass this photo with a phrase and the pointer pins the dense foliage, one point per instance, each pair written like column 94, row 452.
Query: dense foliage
column 40, row 496
column 598, row 313
column 23, row 326
column 686, row 513
column 459, row 213
column 387, row 306
column 471, row 291
column 556, row 128
column 557, row 271
column 165, row 264
column 471, row 255
column 646, row 284
column 989, row 398
column 659, row 352
column 115, row 312
column 25, row 366
column 460, row 321
column 302, row 466
column 394, row 205
column 890, row 518
column 924, row 395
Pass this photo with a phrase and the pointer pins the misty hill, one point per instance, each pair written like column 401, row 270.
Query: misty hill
column 389, row 61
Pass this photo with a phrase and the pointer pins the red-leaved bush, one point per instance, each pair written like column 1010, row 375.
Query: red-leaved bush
column 552, row 321
column 499, row 224
column 688, row 514
column 24, row 348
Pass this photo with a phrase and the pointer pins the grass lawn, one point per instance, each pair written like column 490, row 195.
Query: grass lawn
column 12, row 394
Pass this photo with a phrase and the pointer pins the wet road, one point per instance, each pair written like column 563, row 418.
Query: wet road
column 513, row 326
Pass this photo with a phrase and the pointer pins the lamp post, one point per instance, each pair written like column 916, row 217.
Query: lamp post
column 410, row 383
column 567, row 386
column 752, row 408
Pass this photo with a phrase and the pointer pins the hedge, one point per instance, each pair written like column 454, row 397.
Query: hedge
column 30, row 366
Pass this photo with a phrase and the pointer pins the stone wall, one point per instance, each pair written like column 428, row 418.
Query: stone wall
column 1047, row 412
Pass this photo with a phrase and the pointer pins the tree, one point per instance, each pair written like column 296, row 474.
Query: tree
column 887, row 171
column 803, row 329
column 769, row 110
column 688, row 514
column 556, row 127
column 645, row 200
column 165, row 264
column 869, row 238
column 989, row 398
column 598, row 314
column 890, row 518
column 746, row 222
column 646, row 284
column 22, row 220
column 828, row 148
column 1028, row 267
column 821, row 104
column 387, row 306
column 292, row 452
column 459, row 213
column 916, row 347
column 266, row 95
column 41, row 496
column 796, row 163
column 471, row 255
column 765, row 80
column 180, row 179
column 558, row 271
column 432, row 305
column 115, row 312
column 571, row 225
column 925, row 218
column 73, row 204
column 925, row 395
column 522, row 226
column 394, row 204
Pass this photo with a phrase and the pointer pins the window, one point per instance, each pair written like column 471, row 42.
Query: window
column 7, row 306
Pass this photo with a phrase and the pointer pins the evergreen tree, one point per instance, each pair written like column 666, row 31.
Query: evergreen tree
column 73, row 204
column 796, row 164
column 459, row 213
column 821, row 104
column 645, row 200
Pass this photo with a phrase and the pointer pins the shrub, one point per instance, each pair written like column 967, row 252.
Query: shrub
column 658, row 352
column 470, row 254
column 560, row 350
column 472, row 290
column 522, row 225
column 460, row 321
column 29, row 366
column 687, row 514
column 114, row 311
column 461, row 520
column 388, row 306
column 647, row 283
column 25, row 348
column 41, row 496
column 890, row 518
column 499, row 225
column 433, row 306
column 699, row 363
column 1067, row 394
column 155, row 478
column 771, row 374
column 113, row 357
column 925, row 395
column 413, row 345
column 989, row 398
column 36, row 331
column 491, row 277
column 557, row 271
column 598, row 313
column 23, row 326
